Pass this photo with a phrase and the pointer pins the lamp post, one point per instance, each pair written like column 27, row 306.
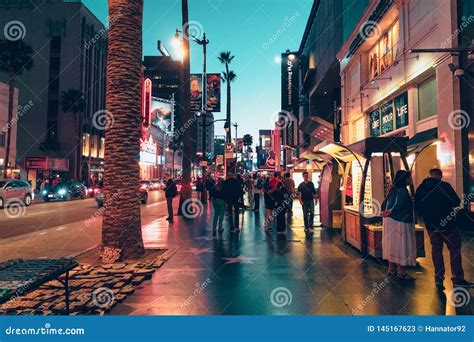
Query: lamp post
column 203, row 42
column 236, row 146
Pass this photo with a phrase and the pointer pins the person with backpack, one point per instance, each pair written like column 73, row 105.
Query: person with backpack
column 398, row 234
column 171, row 191
column 437, row 202
column 218, row 205
column 232, row 190
column 258, row 188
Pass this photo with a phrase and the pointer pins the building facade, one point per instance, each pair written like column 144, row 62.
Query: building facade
column 5, row 124
column 390, row 92
column 70, row 46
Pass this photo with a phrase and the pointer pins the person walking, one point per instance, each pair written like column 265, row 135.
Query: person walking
column 307, row 196
column 250, row 190
column 437, row 202
column 398, row 234
column 281, row 206
column 232, row 189
column 218, row 204
column 242, row 186
column 199, row 187
column 275, row 180
column 258, row 188
column 289, row 185
column 171, row 191
column 210, row 184
column 269, row 201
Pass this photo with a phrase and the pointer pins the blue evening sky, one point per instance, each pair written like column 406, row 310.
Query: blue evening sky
column 246, row 28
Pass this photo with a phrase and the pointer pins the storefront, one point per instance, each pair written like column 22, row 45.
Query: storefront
column 40, row 168
column 368, row 168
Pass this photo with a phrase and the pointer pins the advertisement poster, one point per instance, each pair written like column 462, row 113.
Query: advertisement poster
column 213, row 92
column 196, row 92
column 374, row 118
column 161, row 115
column 401, row 109
column 386, row 113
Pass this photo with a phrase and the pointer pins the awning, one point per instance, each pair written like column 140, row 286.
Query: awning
column 428, row 136
column 318, row 128
column 379, row 145
column 337, row 150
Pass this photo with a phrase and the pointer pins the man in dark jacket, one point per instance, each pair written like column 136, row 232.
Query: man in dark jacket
column 171, row 191
column 232, row 190
column 437, row 202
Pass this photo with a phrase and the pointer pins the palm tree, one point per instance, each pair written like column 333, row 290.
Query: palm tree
column 15, row 57
column 225, row 57
column 121, row 227
column 185, row 98
column 248, row 142
column 73, row 102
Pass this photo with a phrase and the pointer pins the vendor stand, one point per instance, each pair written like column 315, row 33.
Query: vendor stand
column 369, row 167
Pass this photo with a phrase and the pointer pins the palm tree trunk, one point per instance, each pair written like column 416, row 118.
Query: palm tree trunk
column 11, row 92
column 121, row 228
column 185, row 97
column 228, row 117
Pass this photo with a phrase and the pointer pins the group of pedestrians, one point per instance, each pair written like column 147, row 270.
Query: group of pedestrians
column 435, row 201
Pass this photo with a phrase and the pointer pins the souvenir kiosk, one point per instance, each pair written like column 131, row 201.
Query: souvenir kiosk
column 368, row 168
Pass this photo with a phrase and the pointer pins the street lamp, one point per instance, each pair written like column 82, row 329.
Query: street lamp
column 203, row 42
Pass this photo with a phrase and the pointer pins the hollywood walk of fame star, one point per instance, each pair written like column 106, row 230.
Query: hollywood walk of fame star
column 240, row 259
column 198, row 251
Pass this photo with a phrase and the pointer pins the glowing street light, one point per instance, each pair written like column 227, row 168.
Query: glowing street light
column 277, row 59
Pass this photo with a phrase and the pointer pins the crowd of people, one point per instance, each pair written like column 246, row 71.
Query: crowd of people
column 435, row 201
column 238, row 193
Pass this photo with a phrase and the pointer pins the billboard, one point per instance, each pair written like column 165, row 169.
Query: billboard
column 196, row 92
column 290, row 94
column 213, row 92
column 161, row 115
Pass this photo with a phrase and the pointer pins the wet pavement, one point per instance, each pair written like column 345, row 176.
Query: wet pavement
column 259, row 273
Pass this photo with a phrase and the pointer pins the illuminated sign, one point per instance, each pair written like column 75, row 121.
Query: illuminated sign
column 148, row 150
column 389, row 116
column 146, row 107
column 213, row 92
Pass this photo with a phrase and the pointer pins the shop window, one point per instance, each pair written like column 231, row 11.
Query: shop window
column 102, row 148
column 427, row 99
column 384, row 52
column 85, row 145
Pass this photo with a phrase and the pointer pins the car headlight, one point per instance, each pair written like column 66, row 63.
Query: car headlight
column 44, row 192
column 62, row 192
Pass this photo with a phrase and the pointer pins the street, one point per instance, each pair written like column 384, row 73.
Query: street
column 40, row 215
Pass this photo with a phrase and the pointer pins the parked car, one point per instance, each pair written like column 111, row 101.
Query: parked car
column 99, row 197
column 92, row 191
column 65, row 191
column 14, row 191
column 157, row 184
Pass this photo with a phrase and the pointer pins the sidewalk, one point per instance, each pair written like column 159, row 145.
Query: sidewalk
column 255, row 273
column 70, row 239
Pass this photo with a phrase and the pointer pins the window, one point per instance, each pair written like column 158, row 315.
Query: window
column 384, row 52
column 427, row 99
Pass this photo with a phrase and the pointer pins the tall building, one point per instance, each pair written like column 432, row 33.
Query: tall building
column 5, row 124
column 70, row 46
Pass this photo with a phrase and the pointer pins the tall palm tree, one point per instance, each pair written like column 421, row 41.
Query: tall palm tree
column 15, row 57
column 185, row 98
column 226, row 57
column 73, row 102
column 248, row 142
column 121, row 227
